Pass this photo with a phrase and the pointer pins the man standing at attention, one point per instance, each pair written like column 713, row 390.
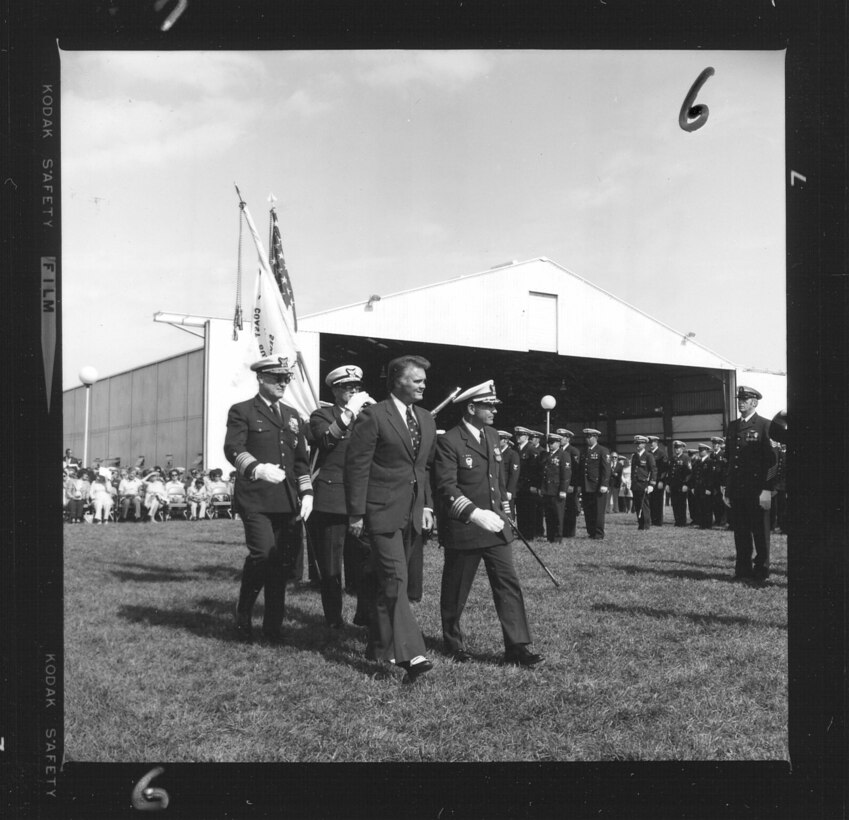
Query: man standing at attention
column 509, row 468
column 570, row 452
column 266, row 443
column 748, row 488
column 389, row 497
column 679, row 482
column 643, row 482
column 661, row 462
column 470, row 483
column 594, row 480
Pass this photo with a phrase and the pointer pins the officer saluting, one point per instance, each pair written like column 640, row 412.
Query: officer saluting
column 266, row 443
column 748, row 488
column 469, row 480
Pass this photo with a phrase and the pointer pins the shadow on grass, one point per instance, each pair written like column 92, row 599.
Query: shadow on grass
column 695, row 617
column 691, row 575
column 148, row 573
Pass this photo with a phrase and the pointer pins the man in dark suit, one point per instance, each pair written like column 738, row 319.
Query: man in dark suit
column 660, row 455
column 643, row 482
column 527, row 496
column 679, row 482
column 470, row 482
column 266, row 443
column 573, row 454
column 748, row 489
column 509, row 467
column 594, row 479
column 331, row 431
column 388, row 496
column 555, row 480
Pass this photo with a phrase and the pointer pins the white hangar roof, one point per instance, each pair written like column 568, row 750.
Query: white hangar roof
column 532, row 305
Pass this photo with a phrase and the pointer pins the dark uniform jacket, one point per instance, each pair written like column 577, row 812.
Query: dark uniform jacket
column 574, row 455
column 528, row 468
column 680, row 471
column 701, row 477
column 661, row 461
column 330, row 436
column 594, row 470
column 556, row 473
column 255, row 436
column 718, row 471
column 510, row 469
column 643, row 470
column 750, row 456
column 468, row 477
column 385, row 482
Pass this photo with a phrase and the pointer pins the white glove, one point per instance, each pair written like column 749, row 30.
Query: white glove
column 306, row 507
column 765, row 499
column 659, row 485
column 683, row 488
column 650, row 489
column 358, row 401
column 487, row 520
column 269, row 472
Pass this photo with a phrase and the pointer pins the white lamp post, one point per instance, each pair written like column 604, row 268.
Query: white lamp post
column 547, row 403
column 88, row 376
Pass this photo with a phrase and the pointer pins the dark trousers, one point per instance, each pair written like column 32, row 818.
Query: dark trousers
column 679, row 507
column 720, row 514
column 642, row 507
column 613, row 502
column 526, row 514
column 394, row 631
column 272, row 539
column 570, row 515
column 415, row 569
column 692, row 506
column 703, row 509
column 595, row 505
column 457, row 577
column 750, row 523
column 553, row 509
column 656, row 507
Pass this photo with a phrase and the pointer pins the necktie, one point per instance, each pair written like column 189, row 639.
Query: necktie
column 275, row 408
column 415, row 430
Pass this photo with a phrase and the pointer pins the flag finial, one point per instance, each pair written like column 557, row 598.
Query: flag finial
column 272, row 199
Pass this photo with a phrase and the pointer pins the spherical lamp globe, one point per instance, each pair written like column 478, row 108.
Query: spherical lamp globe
column 88, row 375
column 548, row 402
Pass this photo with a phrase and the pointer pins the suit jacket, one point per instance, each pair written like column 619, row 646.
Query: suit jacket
column 255, row 436
column 468, row 477
column 510, row 469
column 330, row 436
column 382, row 474
column 594, row 470
column 750, row 456
column 556, row 472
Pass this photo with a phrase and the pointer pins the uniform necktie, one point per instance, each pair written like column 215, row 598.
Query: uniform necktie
column 275, row 408
column 415, row 430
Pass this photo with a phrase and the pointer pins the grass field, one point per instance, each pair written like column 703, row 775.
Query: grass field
column 653, row 653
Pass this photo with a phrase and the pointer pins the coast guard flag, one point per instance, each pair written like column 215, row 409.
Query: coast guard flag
column 273, row 321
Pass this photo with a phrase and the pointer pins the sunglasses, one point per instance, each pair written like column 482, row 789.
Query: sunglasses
column 280, row 378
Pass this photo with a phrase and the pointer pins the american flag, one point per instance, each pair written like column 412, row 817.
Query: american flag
column 278, row 268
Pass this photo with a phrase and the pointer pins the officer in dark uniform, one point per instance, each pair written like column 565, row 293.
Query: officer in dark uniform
column 330, row 433
column 693, row 455
column 266, row 443
column 594, row 480
column 702, row 487
column 679, row 482
column 661, row 460
column 573, row 454
column 719, row 467
column 527, row 497
column 469, row 479
column 509, row 467
column 554, row 487
column 748, row 489
column 643, row 482
column 539, row 517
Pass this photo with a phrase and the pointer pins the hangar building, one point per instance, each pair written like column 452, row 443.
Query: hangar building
column 534, row 327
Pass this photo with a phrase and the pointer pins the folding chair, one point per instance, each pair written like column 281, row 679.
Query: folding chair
column 177, row 505
column 219, row 506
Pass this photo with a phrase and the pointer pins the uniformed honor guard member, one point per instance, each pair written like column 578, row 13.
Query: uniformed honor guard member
column 594, row 479
column 679, row 482
column 331, row 431
column 509, row 467
column 748, row 488
column 554, row 488
column 661, row 460
column 471, row 484
column 718, row 468
column 643, row 482
column 526, row 490
column 388, row 493
column 266, row 443
column 702, row 484
column 693, row 454
column 573, row 454
column 539, row 518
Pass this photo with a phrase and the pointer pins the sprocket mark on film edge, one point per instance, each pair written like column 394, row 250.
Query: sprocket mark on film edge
column 692, row 117
column 149, row 798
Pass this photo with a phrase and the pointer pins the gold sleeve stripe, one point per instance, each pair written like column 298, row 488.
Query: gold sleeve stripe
column 459, row 505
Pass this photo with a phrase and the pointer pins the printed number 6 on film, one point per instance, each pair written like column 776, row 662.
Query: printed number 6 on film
column 700, row 111
column 148, row 798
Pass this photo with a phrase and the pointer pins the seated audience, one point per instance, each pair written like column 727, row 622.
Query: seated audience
column 131, row 491
column 198, row 498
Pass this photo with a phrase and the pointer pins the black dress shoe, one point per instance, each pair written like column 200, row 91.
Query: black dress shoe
column 415, row 669
column 521, row 656
column 460, row 656
column 244, row 631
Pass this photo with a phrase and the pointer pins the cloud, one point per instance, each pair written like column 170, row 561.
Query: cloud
column 441, row 68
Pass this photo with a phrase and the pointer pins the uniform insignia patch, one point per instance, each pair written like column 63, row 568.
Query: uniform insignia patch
column 294, row 425
column 469, row 462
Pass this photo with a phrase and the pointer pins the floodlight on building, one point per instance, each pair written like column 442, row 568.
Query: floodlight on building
column 371, row 300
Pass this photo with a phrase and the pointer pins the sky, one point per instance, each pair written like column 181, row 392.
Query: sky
column 396, row 169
